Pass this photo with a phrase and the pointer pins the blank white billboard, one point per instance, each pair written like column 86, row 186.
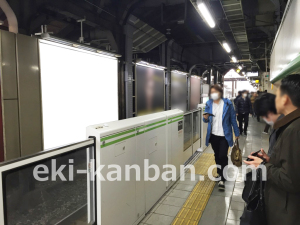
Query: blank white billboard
column 79, row 89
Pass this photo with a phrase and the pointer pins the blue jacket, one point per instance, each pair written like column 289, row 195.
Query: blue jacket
column 228, row 120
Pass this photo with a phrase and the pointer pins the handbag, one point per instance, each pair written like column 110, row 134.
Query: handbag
column 236, row 154
column 254, row 212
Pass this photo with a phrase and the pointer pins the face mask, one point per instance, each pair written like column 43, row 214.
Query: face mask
column 214, row 96
column 244, row 95
column 269, row 122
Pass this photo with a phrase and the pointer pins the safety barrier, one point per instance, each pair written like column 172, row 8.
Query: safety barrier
column 60, row 186
column 192, row 131
column 50, row 187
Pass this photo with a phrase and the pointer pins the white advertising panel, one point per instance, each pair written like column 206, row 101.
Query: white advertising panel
column 79, row 88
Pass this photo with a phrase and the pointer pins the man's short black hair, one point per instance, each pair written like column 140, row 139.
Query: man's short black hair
column 240, row 92
column 265, row 104
column 290, row 85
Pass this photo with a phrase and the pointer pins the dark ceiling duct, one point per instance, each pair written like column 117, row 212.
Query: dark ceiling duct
column 235, row 16
column 145, row 37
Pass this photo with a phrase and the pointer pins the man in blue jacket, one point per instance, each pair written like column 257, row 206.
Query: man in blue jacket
column 220, row 116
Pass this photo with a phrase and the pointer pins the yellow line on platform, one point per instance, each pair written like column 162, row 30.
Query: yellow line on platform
column 191, row 212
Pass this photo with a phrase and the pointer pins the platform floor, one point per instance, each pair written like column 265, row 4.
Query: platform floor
column 200, row 202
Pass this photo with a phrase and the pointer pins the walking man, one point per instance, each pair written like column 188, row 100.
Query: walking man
column 243, row 108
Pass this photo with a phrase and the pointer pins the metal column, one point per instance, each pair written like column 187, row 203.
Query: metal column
column 168, row 76
column 128, row 69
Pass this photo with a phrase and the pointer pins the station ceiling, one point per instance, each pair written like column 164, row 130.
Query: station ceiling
column 249, row 26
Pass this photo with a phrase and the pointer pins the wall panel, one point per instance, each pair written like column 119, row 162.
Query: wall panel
column 30, row 114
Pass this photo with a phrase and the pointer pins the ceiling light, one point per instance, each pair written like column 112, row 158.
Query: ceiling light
column 240, row 67
column 234, row 59
column 226, row 47
column 243, row 73
column 206, row 14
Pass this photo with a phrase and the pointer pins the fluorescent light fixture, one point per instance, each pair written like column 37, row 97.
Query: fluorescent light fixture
column 80, row 47
column 240, row 67
column 226, row 47
column 179, row 72
column 142, row 63
column 197, row 77
column 206, row 14
column 234, row 59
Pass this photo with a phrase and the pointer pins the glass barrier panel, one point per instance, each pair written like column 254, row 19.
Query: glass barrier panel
column 188, row 139
column 51, row 191
column 196, row 126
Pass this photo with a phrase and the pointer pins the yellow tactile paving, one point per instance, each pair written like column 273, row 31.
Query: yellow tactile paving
column 191, row 212
column 203, row 163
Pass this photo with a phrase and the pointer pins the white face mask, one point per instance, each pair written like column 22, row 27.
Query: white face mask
column 269, row 122
column 214, row 96
column 244, row 95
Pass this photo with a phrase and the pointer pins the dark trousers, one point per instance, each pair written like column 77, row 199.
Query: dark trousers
column 243, row 118
column 267, row 127
column 220, row 146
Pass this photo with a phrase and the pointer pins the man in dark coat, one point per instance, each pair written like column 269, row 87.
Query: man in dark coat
column 243, row 108
column 237, row 98
column 282, row 191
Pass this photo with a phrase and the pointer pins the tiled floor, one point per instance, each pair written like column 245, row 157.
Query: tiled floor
column 223, row 207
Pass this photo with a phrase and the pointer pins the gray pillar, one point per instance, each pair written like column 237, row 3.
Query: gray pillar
column 30, row 100
column 128, row 70
column 21, row 96
column 168, row 76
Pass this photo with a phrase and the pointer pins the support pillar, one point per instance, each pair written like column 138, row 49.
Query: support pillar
column 128, row 30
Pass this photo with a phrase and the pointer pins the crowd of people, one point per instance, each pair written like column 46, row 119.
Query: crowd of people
column 282, row 159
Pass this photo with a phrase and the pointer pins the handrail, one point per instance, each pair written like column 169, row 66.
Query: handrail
column 86, row 143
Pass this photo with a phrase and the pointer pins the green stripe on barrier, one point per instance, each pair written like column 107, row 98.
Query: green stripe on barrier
column 116, row 141
column 175, row 117
column 149, row 125
column 130, row 136
column 139, row 128
column 153, row 128
column 176, row 120
column 139, row 133
column 117, row 135
column 292, row 68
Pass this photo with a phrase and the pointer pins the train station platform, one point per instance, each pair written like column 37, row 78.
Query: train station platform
column 201, row 202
